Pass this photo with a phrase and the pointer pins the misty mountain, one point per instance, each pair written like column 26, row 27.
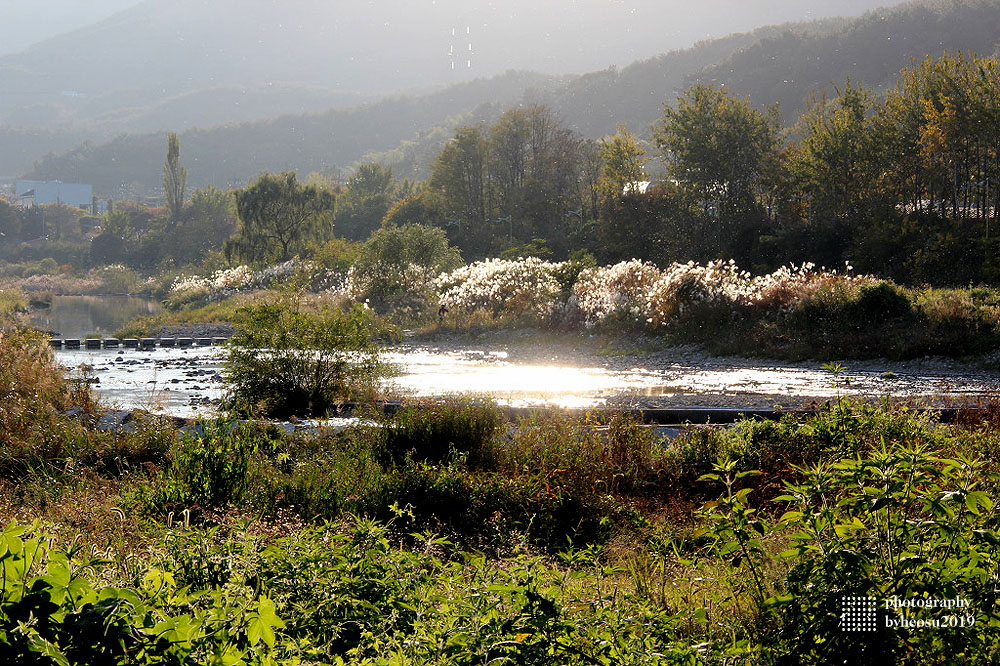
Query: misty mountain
column 25, row 25
column 786, row 67
column 783, row 63
column 325, row 143
column 135, row 60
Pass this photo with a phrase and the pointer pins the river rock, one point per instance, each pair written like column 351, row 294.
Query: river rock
column 117, row 422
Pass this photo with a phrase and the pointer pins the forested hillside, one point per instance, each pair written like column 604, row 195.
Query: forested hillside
column 787, row 66
column 784, row 64
column 325, row 143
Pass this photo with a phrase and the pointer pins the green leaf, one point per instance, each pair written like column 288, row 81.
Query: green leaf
column 46, row 648
column 748, row 473
column 175, row 629
column 977, row 499
column 790, row 516
column 262, row 623
column 779, row 600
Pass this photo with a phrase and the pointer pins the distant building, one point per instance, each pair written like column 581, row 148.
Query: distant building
column 637, row 187
column 29, row 193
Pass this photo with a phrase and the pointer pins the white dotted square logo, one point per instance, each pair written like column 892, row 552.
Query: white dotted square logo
column 858, row 614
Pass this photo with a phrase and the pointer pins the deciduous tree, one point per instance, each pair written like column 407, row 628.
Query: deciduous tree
column 277, row 216
column 717, row 144
column 174, row 179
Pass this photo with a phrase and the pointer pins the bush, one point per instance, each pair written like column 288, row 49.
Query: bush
column 284, row 361
column 396, row 266
column 211, row 466
column 526, row 289
column 435, row 432
column 36, row 393
column 901, row 522
column 56, row 609
column 117, row 279
column 13, row 302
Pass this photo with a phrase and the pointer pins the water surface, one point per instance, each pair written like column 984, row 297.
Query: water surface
column 187, row 382
column 91, row 316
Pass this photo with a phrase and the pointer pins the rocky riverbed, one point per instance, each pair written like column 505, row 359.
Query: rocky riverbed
column 526, row 371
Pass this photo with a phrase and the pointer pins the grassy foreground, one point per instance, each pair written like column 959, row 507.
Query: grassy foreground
column 446, row 535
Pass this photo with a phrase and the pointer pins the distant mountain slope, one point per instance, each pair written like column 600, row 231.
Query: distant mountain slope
column 325, row 142
column 635, row 95
column 593, row 103
column 871, row 50
column 21, row 147
column 783, row 64
column 159, row 49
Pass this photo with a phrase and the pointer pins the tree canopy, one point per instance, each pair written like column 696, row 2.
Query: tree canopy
column 277, row 217
column 717, row 144
column 174, row 179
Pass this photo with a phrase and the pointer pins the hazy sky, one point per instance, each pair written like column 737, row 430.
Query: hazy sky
column 28, row 21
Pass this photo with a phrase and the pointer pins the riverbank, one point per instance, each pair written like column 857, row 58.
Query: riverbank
column 456, row 527
column 793, row 315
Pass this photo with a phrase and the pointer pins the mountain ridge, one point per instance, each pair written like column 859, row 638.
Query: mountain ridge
column 408, row 131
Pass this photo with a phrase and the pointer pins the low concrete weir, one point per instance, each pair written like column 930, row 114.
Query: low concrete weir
column 92, row 344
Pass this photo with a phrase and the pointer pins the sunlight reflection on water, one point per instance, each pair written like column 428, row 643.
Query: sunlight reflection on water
column 183, row 382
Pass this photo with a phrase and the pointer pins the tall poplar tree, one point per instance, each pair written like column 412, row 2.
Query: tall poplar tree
column 174, row 178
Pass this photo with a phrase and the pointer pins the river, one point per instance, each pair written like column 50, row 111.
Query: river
column 189, row 382
column 90, row 316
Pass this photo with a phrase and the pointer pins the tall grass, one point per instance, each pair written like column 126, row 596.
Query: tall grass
column 35, row 391
column 12, row 302
column 450, row 535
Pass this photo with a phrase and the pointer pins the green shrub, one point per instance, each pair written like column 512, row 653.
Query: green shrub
column 877, row 302
column 432, row 433
column 210, row 466
column 285, row 361
column 55, row 609
column 322, row 477
column 396, row 260
column 901, row 522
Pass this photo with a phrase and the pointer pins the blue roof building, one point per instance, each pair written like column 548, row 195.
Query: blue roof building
column 39, row 192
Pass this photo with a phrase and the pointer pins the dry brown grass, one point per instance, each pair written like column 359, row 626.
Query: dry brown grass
column 34, row 391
